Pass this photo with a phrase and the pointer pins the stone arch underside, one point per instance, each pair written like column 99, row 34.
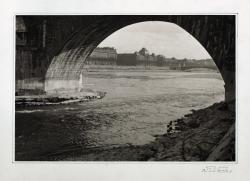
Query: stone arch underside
column 215, row 33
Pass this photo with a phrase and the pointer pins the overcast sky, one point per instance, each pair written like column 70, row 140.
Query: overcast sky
column 158, row 37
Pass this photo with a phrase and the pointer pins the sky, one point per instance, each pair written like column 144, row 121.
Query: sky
column 158, row 37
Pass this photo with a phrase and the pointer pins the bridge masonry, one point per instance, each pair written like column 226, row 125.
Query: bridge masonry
column 38, row 40
column 51, row 50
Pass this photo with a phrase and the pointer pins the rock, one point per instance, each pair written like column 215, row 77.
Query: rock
column 225, row 149
column 193, row 124
column 151, row 159
column 223, row 107
column 192, row 158
column 193, row 111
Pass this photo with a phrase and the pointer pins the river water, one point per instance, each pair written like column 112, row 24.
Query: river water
column 138, row 105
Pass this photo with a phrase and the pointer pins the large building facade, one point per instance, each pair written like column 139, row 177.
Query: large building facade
column 142, row 57
column 109, row 56
column 103, row 56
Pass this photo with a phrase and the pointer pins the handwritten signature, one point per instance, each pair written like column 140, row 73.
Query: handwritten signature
column 216, row 169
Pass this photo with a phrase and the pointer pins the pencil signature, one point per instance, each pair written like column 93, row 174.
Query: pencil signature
column 216, row 169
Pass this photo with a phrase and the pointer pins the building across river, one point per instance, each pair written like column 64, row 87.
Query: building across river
column 109, row 56
column 141, row 58
column 184, row 64
column 103, row 56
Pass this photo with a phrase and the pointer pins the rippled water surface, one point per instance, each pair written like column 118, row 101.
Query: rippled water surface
column 138, row 104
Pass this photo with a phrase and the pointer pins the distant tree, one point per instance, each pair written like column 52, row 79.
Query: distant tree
column 144, row 51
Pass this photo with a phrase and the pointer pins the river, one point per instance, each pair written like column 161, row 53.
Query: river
column 138, row 105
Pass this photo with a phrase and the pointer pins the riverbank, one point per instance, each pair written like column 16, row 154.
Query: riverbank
column 206, row 134
column 58, row 99
column 195, row 137
column 94, row 68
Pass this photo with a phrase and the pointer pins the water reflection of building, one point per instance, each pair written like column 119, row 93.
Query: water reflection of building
column 103, row 56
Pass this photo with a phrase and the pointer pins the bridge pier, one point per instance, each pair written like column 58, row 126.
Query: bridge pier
column 60, row 85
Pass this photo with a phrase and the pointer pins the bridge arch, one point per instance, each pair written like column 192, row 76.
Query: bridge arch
column 215, row 33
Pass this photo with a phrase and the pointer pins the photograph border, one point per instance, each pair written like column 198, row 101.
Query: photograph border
column 123, row 162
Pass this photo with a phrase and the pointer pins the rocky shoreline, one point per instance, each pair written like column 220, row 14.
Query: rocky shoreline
column 204, row 135
column 196, row 136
